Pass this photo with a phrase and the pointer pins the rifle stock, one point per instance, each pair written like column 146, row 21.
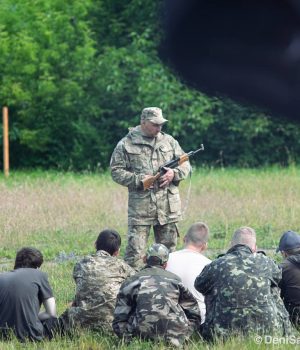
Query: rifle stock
column 149, row 181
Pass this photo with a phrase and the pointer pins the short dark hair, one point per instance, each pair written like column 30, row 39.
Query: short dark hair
column 154, row 261
column 109, row 241
column 28, row 257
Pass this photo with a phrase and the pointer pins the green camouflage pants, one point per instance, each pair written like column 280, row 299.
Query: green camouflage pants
column 138, row 237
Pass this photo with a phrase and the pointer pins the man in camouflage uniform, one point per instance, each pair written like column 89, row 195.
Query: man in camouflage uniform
column 154, row 304
column 98, row 278
column 241, row 292
column 137, row 156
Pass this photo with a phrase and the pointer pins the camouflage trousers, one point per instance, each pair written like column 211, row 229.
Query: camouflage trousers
column 138, row 237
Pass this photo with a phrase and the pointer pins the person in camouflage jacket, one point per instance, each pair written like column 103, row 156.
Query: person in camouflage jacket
column 137, row 156
column 98, row 278
column 241, row 292
column 154, row 304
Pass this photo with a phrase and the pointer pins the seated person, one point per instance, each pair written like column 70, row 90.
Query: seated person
column 154, row 304
column 289, row 246
column 238, row 289
column 187, row 263
column 22, row 291
column 98, row 278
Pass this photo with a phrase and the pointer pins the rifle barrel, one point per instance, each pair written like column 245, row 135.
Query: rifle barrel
column 199, row 149
column 192, row 153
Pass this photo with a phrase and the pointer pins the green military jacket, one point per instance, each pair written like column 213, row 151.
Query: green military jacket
column 241, row 295
column 136, row 156
column 154, row 304
column 98, row 278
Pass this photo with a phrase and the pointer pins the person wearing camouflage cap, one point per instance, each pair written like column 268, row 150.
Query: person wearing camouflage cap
column 158, row 251
column 241, row 292
column 154, row 304
column 137, row 156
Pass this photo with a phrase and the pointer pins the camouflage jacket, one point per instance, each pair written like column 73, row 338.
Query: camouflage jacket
column 136, row 156
column 98, row 278
column 154, row 304
column 242, row 295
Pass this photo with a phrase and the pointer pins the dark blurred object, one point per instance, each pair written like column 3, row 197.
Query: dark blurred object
column 246, row 50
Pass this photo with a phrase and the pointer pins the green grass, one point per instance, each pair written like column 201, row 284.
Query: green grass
column 64, row 212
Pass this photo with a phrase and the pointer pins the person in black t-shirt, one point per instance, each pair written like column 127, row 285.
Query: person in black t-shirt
column 22, row 292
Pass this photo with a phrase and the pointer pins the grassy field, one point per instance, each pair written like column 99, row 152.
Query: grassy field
column 62, row 214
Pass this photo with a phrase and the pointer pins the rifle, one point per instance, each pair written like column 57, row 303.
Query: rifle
column 174, row 163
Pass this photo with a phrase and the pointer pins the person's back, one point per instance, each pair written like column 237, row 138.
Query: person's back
column 98, row 278
column 289, row 246
column 22, row 291
column 238, row 294
column 154, row 304
column 189, row 262
column 188, row 265
column 290, row 287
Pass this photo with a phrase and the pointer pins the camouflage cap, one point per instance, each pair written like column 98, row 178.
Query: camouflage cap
column 158, row 250
column 154, row 115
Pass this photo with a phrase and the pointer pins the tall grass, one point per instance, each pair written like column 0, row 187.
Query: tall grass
column 56, row 212
column 63, row 213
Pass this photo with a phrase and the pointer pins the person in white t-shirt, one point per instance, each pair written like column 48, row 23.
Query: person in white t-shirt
column 188, row 262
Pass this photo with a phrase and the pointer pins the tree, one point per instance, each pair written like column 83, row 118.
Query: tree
column 47, row 58
column 76, row 75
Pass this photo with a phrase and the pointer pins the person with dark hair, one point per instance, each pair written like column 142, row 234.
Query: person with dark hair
column 289, row 246
column 109, row 241
column 98, row 278
column 22, row 291
column 154, row 304
column 29, row 257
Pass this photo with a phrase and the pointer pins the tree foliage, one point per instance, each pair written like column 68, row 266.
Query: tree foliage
column 76, row 74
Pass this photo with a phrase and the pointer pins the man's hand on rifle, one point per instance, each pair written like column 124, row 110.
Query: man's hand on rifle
column 166, row 178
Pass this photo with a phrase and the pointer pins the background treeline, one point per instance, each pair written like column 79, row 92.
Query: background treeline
column 76, row 74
